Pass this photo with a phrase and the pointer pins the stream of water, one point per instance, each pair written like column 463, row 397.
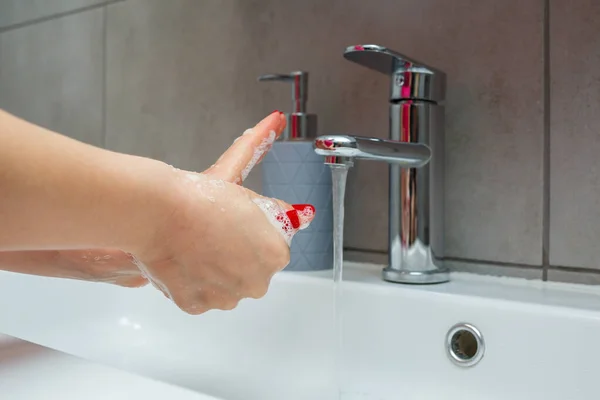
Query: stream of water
column 338, row 175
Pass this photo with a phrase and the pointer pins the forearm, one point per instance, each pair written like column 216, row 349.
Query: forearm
column 101, row 265
column 30, row 262
column 58, row 193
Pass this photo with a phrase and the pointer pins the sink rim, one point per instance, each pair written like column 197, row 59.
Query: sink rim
column 572, row 297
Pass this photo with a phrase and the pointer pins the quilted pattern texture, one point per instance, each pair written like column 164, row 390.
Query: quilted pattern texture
column 294, row 173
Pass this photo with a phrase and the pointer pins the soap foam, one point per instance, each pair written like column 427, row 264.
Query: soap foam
column 146, row 274
column 208, row 188
column 277, row 217
column 193, row 177
column 217, row 183
column 305, row 216
column 264, row 146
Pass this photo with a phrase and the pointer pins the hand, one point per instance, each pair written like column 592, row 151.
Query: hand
column 223, row 242
column 103, row 265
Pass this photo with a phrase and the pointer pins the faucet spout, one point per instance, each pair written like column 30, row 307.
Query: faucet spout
column 341, row 149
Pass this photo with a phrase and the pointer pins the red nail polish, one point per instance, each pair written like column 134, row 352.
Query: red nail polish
column 293, row 216
column 276, row 111
column 304, row 207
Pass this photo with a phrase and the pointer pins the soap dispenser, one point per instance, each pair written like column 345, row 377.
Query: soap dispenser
column 292, row 172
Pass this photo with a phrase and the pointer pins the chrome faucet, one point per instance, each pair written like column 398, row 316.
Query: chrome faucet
column 415, row 153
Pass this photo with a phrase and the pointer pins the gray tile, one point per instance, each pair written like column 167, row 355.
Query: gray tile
column 14, row 12
column 494, row 131
column 494, row 137
column 174, row 94
column 580, row 277
column 575, row 143
column 51, row 74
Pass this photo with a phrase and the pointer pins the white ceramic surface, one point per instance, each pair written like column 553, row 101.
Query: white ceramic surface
column 32, row 372
column 542, row 340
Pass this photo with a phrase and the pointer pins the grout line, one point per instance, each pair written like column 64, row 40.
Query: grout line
column 369, row 251
column 579, row 270
column 546, row 143
column 456, row 259
column 57, row 15
column 104, row 72
column 594, row 271
column 494, row 263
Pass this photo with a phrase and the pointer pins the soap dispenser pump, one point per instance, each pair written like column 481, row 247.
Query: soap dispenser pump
column 292, row 172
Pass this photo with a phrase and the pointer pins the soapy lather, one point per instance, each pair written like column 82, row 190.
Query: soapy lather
column 257, row 142
column 264, row 146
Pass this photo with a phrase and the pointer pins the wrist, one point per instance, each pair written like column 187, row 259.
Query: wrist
column 148, row 205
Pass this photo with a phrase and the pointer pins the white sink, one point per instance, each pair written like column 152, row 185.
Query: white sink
column 542, row 341
column 32, row 372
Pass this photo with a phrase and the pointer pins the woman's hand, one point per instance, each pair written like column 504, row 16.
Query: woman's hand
column 202, row 239
column 223, row 242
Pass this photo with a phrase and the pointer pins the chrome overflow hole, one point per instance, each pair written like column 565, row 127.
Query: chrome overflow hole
column 465, row 345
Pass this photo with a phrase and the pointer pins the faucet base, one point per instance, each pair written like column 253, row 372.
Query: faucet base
column 416, row 277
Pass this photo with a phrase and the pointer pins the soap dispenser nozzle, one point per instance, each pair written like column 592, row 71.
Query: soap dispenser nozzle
column 299, row 81
column 300, row 125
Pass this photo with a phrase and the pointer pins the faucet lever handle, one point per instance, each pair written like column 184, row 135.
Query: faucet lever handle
column 411, row 79
column 299, row 81
column 384, row 60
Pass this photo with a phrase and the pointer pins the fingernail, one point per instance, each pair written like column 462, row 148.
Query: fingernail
column 276, row 111
column 306, row 213
column 307, row 208
column 294, row 219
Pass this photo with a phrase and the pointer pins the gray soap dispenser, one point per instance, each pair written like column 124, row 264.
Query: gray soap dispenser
column 292, row 172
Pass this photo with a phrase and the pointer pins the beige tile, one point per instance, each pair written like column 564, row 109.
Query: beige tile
column 575, row 127
column 51, row 74
column 18, row 11
column 181, row 86
column 580, row 277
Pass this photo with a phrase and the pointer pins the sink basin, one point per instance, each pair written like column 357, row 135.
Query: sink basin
column 541, row 339
column 32, row 372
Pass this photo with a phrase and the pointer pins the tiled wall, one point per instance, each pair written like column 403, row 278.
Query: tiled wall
column 176, row 80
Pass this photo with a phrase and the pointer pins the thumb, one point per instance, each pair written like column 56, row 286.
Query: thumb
column 288, row 219
column 248, row 150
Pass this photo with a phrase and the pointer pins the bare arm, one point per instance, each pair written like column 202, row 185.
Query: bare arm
column 58, row 193
column 102, row 265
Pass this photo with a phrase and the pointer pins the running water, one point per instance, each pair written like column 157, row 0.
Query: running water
column 338, row 178
column 338, row 175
